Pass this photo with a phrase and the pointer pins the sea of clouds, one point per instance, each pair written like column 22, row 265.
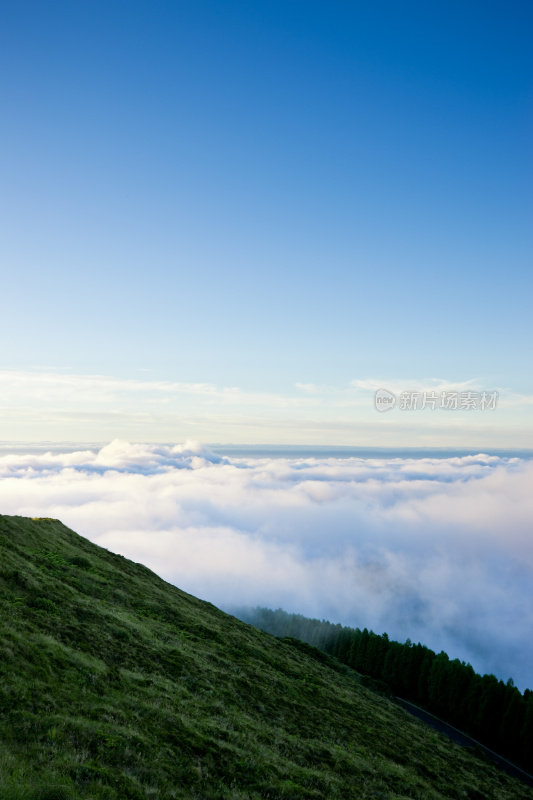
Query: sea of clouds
column 436, row 549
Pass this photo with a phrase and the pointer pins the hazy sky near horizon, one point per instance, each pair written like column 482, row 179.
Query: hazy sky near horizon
column 234, row 220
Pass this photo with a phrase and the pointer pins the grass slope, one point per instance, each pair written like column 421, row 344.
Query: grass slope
column 116, row 685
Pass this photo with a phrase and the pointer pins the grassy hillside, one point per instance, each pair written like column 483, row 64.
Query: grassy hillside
column 493, row 712
column 116, row 685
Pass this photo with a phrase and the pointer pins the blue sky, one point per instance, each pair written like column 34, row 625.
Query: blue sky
column 252, row 197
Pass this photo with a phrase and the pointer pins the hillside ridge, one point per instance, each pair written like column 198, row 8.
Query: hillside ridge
column 115, row 685
column 481, row 707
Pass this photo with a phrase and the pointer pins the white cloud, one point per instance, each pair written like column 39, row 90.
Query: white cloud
column 95, row 408
column 437, row 549
column 417, row 384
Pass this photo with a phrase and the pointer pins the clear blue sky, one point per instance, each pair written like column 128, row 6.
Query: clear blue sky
column 256, row 194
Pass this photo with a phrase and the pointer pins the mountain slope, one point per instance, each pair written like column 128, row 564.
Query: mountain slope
column 116, row 685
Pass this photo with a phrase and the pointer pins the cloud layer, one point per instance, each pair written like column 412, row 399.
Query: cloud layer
column 67, row 407
column 435, row 549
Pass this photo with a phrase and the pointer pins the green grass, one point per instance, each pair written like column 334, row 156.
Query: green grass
column 116, row 685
